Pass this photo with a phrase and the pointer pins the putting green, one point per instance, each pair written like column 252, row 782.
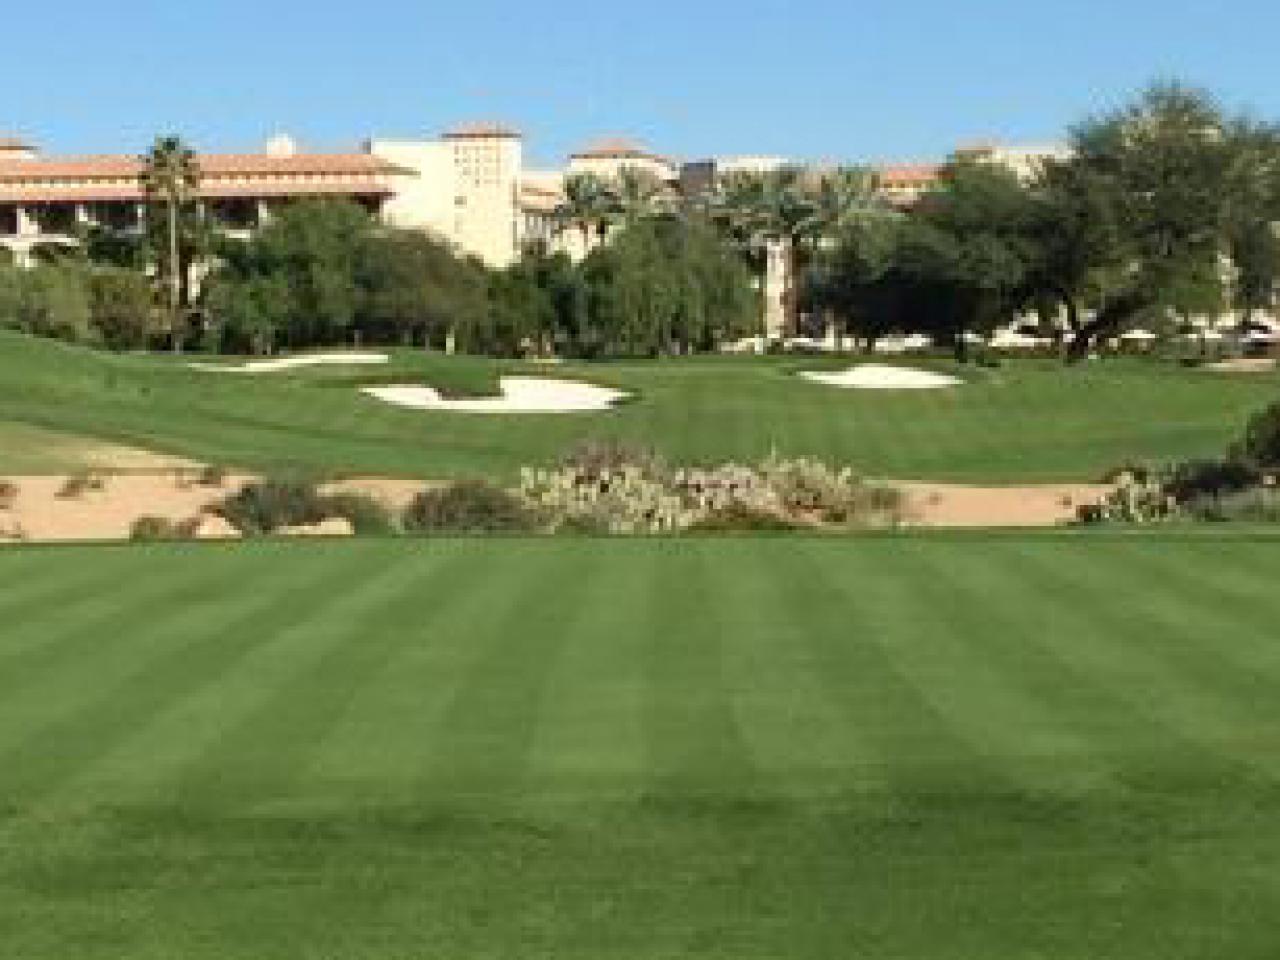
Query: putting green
column 929, row 747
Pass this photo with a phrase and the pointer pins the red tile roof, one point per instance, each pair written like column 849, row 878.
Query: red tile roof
column 616, row 148
column 915, row 174
column 482, row 130
column 69, row 179
column 210, row 164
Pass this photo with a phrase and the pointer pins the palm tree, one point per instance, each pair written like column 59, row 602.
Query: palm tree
column 773, row 215
column 639, row 194
column 844, row 198
column 170, row 178
column 589, row 205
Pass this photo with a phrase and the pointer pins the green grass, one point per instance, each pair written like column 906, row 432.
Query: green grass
column 1028, row 421
column 962, row 747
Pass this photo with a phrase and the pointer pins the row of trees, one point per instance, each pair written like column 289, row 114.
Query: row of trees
column 1165, row 211
column 101, row 305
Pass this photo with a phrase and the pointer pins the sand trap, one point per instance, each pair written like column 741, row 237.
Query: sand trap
column 276, row 364
column 519, row 395
column 879, row 376
column 1252, row 365
column 957, row 505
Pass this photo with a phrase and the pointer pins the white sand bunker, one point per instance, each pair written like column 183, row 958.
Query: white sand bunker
column 277, row 364
column 880, row 376
column 519, row 395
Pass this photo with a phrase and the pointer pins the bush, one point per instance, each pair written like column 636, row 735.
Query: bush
column 595, row 458
column 153, row 528
column 368, row 516
column 212, row 475
column 1260, row 445
column 1256, row 505
column 1195, row 479
column 810, row 489
column 80, row 483
column 738, row 517
column 468, row 506
column 1135, row 500
column 271, row 504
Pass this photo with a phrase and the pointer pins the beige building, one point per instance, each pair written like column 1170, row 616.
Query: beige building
column 466, row 188
column 46, row 202
column 608, row 158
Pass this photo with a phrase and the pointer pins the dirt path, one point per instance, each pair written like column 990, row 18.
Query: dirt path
column 39, row 510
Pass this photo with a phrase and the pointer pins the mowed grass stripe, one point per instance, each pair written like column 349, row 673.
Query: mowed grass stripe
column 1238, row 652
column 483, row 742
column 374, row 752
column 157, row 726
column 196, row 644
column 32, row 606
column 589, row 737
column 279, row 743
column 856, row 606
column 799, row 726
column 1121, row 738
column 693, row 735
column 977, row 617
column 1093, row 624
column 239, row 761
column 106, row 641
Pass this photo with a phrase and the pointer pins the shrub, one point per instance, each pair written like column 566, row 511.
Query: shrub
column 1195, row 479
column 468, row 506
column 1260, row 445
column 80, row 483
column 212, row 475
column 628, row 500
column 368, row 516
column 1133, row 501
column 1255, row 505
column 738, row 517
column 811, row 489
column 271, row 504
column 595, row 458
column 154, row 528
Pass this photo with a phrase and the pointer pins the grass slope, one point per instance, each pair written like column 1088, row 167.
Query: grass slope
column 944, row 748
column 1025, row 422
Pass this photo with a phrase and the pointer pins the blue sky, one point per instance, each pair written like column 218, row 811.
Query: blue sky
column 827, row 79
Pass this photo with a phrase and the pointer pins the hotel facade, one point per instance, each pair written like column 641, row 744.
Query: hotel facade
column 469, row 186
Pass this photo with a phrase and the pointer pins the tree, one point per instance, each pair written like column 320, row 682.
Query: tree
column 314, row 248
column 121, row 306
column 664, row 286
column 414, row 288
column 769, row 214
column 1161, row 165
column 589, row 205
column 972, row 240
column 638, row 195
column 170, row 180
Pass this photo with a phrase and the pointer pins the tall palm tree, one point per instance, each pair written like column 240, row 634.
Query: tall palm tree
column 589, row 205
column 844, row 198
column 639, row 194
column 773, row 215
column 170, row 179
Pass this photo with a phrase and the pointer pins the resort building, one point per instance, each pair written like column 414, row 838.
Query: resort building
column 465, row 187
column 608, row 158
column 468, row 186
column 49, row 201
